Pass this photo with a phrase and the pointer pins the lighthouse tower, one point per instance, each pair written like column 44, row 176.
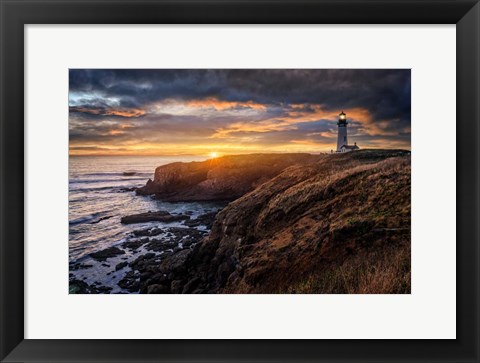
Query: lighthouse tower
column 342, row 141
column 342, row 131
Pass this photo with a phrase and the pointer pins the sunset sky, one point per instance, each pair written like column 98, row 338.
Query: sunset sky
column 199, row 112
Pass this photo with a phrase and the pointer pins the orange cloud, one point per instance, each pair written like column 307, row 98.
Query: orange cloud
column 120, row 130
column 116, row 132
column 314, row 112
column 219, row 105
column 132, row 112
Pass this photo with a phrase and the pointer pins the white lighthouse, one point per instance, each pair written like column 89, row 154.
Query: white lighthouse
column 342, row 139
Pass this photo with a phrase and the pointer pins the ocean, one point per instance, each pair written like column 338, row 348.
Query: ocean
column 99, row 195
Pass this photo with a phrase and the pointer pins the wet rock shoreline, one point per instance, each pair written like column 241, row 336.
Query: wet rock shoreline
column 145, row 256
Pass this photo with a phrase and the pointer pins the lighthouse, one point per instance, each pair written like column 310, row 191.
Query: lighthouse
column 342, row 138
column 342, row 131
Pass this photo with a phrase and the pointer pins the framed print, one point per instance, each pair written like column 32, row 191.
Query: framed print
column 239, row 181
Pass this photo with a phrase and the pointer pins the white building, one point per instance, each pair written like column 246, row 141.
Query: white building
column 342, row 139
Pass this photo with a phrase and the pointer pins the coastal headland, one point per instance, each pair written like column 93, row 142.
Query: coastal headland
column 224, row 178
column 292, row 223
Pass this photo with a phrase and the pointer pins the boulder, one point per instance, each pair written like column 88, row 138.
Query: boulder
column 175, row 263
column 107, row 253
column 121, row 265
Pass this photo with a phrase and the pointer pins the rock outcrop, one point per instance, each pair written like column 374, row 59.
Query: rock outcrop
column 159, row 216
column 225, row 178
column 340, row 224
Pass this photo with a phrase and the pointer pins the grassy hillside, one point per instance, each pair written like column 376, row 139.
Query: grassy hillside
column 338, row 225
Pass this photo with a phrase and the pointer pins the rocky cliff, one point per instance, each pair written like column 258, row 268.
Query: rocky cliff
column 223, row 178
column 338, row 224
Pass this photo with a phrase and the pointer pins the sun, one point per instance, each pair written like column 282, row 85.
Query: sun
column 213, row 154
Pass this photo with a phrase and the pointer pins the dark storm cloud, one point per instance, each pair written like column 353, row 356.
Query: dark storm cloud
column 386, row 93
column 135, row 88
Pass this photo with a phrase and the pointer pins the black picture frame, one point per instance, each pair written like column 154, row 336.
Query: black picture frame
column 15, row 14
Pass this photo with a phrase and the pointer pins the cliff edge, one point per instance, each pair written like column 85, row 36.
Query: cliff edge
column 337, row 224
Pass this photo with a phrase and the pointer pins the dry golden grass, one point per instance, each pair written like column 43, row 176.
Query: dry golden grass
column 380, row 272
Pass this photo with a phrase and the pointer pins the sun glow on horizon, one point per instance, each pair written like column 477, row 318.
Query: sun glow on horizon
column 214, row 154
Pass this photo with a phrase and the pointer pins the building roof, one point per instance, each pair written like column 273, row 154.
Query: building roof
column 350, row 147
